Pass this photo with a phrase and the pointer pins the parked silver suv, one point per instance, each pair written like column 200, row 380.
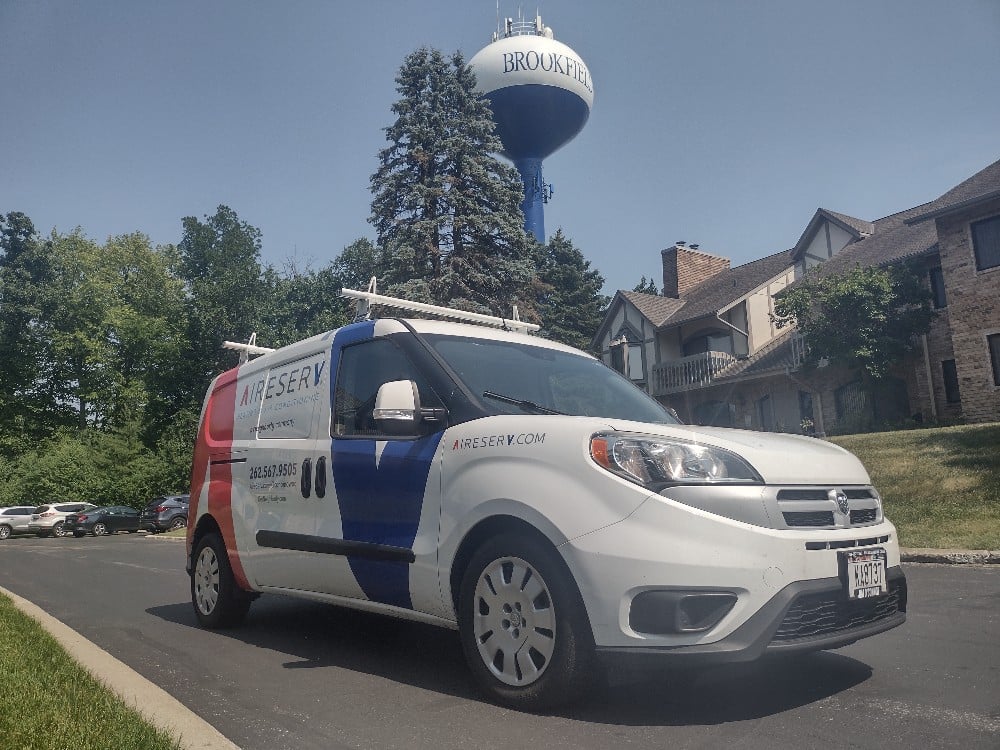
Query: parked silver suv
column 14, row 520
column 48, row 519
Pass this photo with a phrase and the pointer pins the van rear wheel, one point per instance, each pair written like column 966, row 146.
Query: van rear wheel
column 522, row 624
column 218, row 601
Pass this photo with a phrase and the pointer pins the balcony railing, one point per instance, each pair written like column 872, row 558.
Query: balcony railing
column 695, row 371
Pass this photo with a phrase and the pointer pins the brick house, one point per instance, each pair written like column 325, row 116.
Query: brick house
column 708, row 348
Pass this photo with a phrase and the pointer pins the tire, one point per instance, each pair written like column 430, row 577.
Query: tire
column 522, row 624
column 218, row 602
column 59, row 531
column 178, row 523
column 100, row 529
column 5, row 531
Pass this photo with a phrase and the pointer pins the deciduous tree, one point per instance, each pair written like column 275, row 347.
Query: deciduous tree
column 865, row 319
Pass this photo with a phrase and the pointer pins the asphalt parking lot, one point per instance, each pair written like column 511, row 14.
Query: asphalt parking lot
column 306, row 675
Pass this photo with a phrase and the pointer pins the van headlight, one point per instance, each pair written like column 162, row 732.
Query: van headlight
column 656, row 462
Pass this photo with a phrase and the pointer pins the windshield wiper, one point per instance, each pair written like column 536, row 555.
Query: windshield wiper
column 529, row 406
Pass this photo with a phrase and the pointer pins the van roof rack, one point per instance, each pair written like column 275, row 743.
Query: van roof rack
column 248, row 348
column 371, row 297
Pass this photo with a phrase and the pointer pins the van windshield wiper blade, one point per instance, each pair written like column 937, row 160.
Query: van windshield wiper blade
column 530, row 406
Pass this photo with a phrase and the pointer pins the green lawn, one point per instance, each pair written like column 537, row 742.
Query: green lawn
column 49, row 702
column 941, row 486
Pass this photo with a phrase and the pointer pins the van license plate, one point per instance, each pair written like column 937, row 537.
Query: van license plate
column 866, row 573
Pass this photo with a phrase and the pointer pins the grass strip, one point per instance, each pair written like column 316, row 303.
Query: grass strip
column 49, row 702
column 941, row 486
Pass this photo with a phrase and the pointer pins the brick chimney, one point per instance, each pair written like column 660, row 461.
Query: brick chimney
column 686, row 267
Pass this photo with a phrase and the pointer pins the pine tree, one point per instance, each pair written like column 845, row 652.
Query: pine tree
column 570, row 304
column 445, row 210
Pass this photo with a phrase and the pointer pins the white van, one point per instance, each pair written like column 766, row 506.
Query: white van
column 479, row 478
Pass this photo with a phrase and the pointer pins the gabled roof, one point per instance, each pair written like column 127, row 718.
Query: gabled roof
column 728, row 287
column 857, row 228
column 709, row 298
column 657, row 309
column 908, row 234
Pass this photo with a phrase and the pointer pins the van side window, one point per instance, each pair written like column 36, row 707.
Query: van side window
column 363, row 369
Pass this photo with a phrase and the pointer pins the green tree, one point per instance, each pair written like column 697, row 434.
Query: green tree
column 23, row 267
column 570, row 304
column 358, row 262
column 444, row 209
column 219, row 263
column 646, row 287
column 300, row 303
column 865, row 319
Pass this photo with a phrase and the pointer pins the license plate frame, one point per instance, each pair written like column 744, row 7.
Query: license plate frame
column 864, row 573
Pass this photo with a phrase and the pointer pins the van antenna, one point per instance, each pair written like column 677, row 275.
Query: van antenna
column 247, row 349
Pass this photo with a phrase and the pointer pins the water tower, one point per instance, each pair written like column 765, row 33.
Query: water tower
column 541, row 93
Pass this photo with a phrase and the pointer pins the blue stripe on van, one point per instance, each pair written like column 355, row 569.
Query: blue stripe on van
column 382, row 505
column 379, row 504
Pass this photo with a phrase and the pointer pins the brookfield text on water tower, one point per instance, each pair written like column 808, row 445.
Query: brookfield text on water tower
column 541, row 93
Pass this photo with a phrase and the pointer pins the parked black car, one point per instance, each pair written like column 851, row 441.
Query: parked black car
column 165, row 513
column 101, row 521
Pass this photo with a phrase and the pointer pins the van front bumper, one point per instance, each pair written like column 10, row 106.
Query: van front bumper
column 804, row 616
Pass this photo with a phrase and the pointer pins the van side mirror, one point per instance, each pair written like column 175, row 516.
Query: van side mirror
column 397, row 408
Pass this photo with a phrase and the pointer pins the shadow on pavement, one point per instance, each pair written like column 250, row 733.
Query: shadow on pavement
column 317, row 636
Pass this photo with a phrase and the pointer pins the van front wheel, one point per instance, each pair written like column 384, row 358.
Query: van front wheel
column 218, row 602
column 523, row 626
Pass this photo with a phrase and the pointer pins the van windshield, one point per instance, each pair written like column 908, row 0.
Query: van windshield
column 519, row 379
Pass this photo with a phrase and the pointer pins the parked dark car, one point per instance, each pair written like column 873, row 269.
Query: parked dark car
column 101, row 521
column 165, row 513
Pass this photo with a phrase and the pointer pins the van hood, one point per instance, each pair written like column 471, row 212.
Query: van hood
column 779, row 458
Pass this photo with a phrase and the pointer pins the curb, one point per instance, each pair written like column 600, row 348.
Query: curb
column 189, row 730
column 951, row 556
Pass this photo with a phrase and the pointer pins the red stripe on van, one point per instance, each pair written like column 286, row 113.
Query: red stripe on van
column 214, row 445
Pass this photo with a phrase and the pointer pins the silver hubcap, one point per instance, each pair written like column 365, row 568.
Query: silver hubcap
column 206, row 581
column 99, row 529
column 514, row 621
column 58, row 530
column 4, row 532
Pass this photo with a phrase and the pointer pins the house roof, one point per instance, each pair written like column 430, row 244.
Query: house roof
column 710, row 297
column 857, row 228
column 982, row 186
column 776, row 356
column 908, row 233
column 656, row 308
column 727, row 287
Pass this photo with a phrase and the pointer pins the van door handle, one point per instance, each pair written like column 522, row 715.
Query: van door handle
column 305, row 483
column 320, row 476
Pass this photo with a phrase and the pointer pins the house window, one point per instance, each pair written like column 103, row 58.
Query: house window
column 626, row 358
column 994, row 342
column 986, row 243
column 851, row 401
column 950, row 373
column 937, row 287
column 635, row 371
column 709, row 341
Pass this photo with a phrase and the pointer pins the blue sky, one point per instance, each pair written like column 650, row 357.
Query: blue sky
column 719, row 122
